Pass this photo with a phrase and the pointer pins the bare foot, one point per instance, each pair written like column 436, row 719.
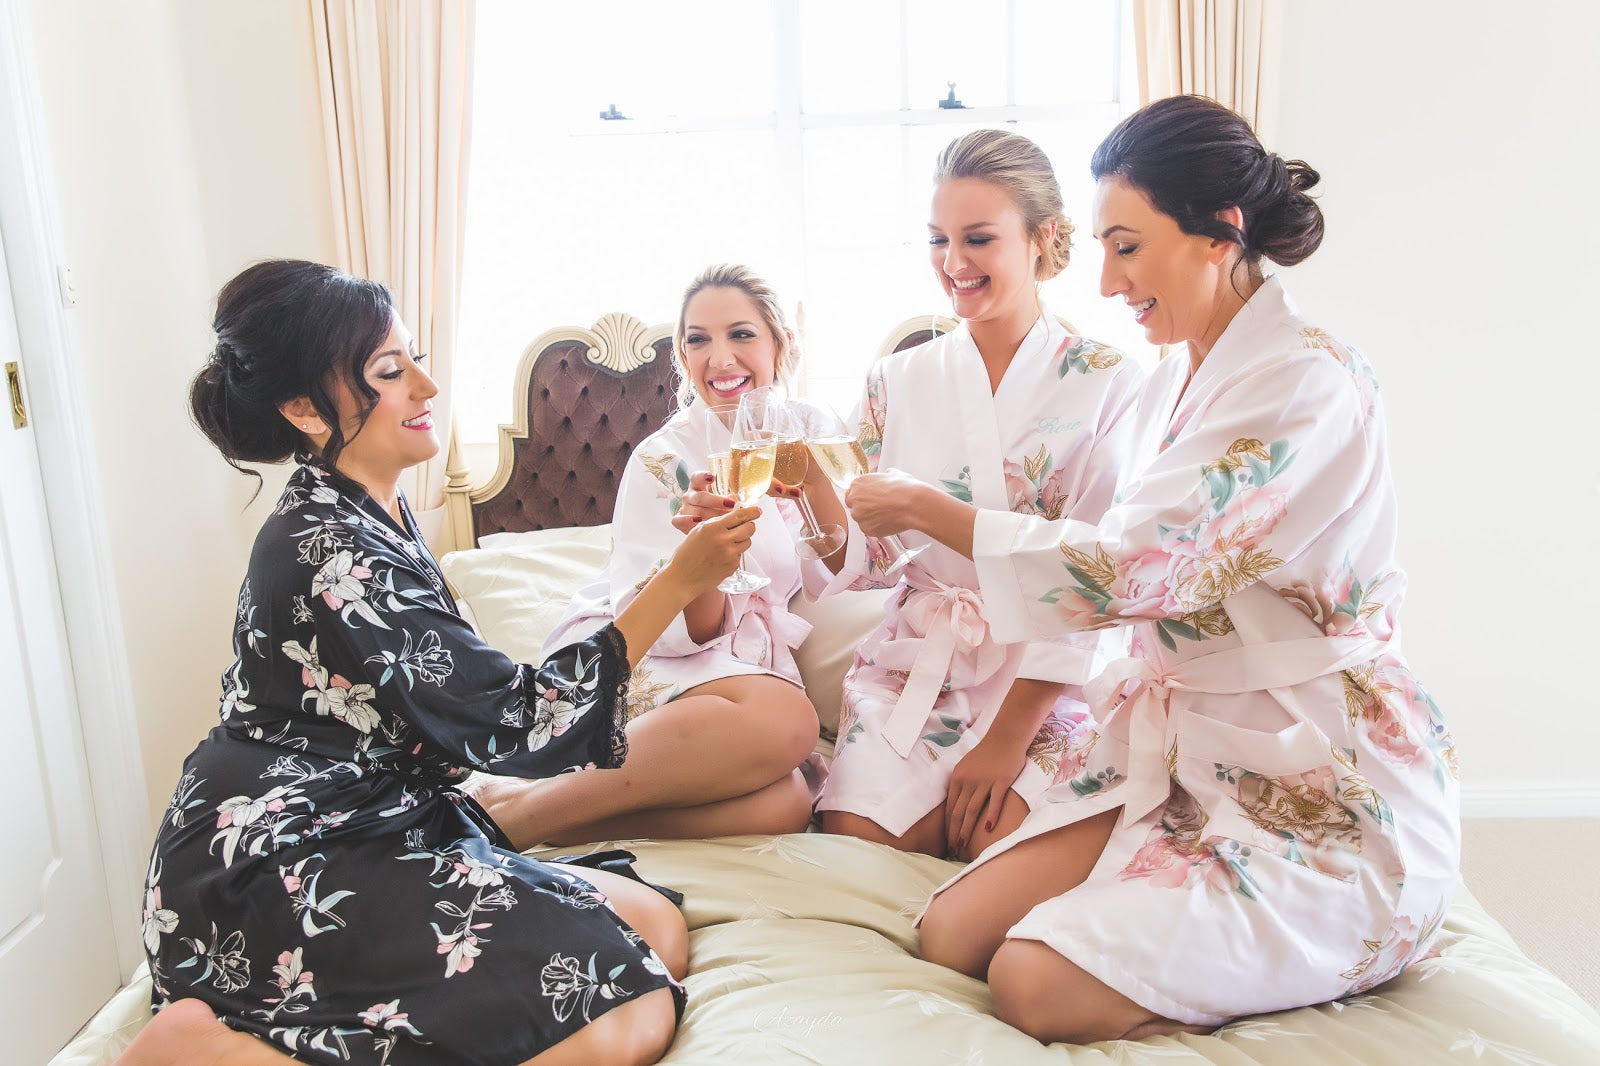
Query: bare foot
column 186, row 1033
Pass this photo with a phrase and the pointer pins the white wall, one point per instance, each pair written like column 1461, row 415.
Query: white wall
column 1459, row 149
column 181, row 151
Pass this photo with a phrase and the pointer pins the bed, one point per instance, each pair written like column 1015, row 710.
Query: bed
column 802, row 948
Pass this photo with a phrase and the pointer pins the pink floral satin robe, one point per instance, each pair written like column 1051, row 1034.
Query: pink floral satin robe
column 1049, row 441
column 1290, row 812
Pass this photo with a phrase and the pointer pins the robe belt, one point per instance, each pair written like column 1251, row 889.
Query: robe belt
column 951, row 618
column 786, row 626
column 1248, row 668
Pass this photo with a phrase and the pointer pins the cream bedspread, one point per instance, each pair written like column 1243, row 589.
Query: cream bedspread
column 802, row 951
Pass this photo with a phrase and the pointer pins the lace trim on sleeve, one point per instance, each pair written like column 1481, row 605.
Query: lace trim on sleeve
column 611, row 747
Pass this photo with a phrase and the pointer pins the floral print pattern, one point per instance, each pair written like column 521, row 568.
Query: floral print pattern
column 671, row 474
column 1176, row 855
column 1082, row 355
column 1301, row 818
column 319, row 822
column 1196, row 566
column 1035, row 488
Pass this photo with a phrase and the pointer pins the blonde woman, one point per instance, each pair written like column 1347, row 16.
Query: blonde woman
column 947, row 735
column 722, row 680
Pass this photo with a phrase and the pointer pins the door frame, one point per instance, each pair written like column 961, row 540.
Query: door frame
column 35, row 249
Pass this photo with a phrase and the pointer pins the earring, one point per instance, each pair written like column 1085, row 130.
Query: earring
column 306, row 426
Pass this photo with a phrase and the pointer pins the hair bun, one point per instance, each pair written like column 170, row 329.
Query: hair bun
column 1288, row 226
column 1194, row 159
column 285, row 329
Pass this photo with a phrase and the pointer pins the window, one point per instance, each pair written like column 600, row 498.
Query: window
column 794, row 136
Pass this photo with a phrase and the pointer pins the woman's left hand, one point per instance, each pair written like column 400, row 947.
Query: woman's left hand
column 883, row 504
column 978, row 788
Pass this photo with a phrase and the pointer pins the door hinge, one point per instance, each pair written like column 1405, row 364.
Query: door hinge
column 19, row 410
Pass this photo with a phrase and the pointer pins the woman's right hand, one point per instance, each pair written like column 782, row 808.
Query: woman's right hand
column 711, row 550
column 700, row 503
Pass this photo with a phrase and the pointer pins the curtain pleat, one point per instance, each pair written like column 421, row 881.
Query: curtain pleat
column 395, row 80
column 1228, row 50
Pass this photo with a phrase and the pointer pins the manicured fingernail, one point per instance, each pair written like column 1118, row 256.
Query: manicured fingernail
column 727, row 502
column 696, row 519
column 989, row 826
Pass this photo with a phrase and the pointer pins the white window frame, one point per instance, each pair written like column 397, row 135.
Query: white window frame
column 790, row 123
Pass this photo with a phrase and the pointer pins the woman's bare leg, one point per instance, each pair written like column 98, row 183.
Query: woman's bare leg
column 967, row 922
column 650, row 914
column 928, row 835
column 925, row 836
column 781, row 807
column 186, row 1033
column 1040, row 992
column 720, row 740
column 634, row 1034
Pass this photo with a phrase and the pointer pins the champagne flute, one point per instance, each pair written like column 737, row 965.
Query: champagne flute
column 743, row 471
column 839, row 455
column 789, row 468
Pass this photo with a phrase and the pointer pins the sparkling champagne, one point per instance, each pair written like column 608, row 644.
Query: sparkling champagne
column 721, row 472
column 750, row 471
column 790, row 466
column 840, row 458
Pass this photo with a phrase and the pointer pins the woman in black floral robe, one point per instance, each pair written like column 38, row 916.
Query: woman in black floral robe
column 319, row 881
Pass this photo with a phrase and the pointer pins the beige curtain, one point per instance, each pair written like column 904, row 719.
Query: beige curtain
column 395, row 78
column 1225, row 49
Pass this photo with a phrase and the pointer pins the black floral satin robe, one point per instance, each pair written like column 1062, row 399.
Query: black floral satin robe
column 318, row 879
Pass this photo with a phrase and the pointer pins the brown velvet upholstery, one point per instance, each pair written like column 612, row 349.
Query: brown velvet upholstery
column 583, row 422
column 921, row 336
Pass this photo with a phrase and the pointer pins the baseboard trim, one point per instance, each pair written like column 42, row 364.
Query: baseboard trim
column 1572, row 799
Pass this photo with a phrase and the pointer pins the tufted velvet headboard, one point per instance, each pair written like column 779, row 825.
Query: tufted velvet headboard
column 586, row 397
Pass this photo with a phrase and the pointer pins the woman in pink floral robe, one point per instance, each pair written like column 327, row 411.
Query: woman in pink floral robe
column 1268, row 813
column 947, row 732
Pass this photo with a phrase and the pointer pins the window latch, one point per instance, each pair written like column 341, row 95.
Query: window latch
column 949, row 103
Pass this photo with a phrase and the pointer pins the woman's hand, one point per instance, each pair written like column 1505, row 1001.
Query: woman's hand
column 711, row 550
column 978, row 788
column 708, row 554
column 884, row 504
column 700, row 503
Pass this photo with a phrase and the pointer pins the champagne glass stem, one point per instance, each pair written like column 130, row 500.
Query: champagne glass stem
column 808, row 516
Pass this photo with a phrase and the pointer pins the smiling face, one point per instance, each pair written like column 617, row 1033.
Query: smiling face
column 981, row 251
column 1175, row 282
column 399, row 431
column 728, row 348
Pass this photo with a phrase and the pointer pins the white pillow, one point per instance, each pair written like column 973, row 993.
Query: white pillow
column 839, row 623
column 519, row 589
column 558, row 538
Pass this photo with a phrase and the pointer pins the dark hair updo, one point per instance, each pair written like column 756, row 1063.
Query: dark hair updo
column 1193, row 158
column 286, row 328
